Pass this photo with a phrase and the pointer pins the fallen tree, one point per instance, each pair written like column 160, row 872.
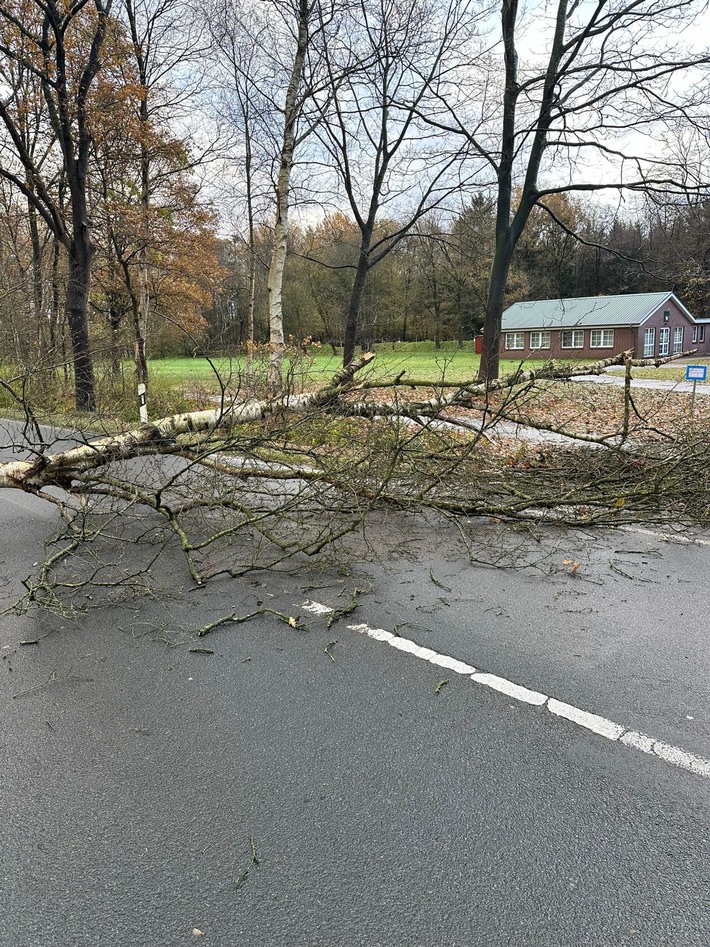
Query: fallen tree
column 253, row 483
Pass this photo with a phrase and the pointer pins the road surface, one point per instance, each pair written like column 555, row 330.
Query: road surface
column 385, row 807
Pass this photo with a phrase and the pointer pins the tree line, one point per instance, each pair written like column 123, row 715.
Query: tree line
column 390, row 169
column 434, row 284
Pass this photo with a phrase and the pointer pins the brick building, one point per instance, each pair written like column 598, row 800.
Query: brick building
column 594, row 327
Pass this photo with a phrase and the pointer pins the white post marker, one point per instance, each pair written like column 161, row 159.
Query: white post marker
column 142, row 403
column 695, row 373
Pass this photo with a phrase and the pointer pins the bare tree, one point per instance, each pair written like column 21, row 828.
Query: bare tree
column 276, row 55
column 245, row 79
column 60, row 46
column 389, row 162
column 306, row 18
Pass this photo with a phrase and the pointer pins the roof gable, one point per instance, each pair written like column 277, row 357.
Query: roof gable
column 631, row 309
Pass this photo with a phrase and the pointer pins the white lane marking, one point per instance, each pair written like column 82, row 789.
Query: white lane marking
column 404, row 644
column 379, row 634
column 583, row 718
column 512, row 690
column 451, row 664
column 602, row 726
column 671, row 754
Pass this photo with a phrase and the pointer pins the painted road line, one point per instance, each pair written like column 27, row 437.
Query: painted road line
column 583, row 718
column 671, row 754
column 512, row 690
column 404, row 644
column 451, row 664
column 595, row 723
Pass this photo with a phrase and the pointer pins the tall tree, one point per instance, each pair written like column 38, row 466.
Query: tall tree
column 282, row 81
column 146, row 88
column 304, row 19
column 244, row 76
column 60, row 45
column 387, row 160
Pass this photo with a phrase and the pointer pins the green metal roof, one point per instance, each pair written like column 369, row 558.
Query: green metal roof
column 629, row 310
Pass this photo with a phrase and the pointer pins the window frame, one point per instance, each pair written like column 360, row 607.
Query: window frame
column 677, row 340
column 573, row 333
column 509, row 336
column 695, row 334
column 701, row 337
column 664, row 340
column 544, row 335
column 649, row 335
column 601, row 344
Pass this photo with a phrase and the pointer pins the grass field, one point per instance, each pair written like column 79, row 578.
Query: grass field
column 317, row 367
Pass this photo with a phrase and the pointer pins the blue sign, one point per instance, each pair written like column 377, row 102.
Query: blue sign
column 696, row 372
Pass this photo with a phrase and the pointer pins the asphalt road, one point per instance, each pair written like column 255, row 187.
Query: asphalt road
column 136, row 774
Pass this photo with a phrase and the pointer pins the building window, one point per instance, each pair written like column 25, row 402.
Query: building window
column 573, row 339
column 514, row 340
column 649, row 343
column 539, row 340
column 664, row 336
column 695, row 333
column 701, row 337
column 602, row 338
column 677, row 339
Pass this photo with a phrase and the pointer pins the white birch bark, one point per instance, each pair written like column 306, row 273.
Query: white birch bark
column 283, row 186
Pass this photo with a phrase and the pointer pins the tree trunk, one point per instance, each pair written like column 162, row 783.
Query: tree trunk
column 248, row 163
column 140, row 319
column 490, row 353
column 363, row 266
column 114, row 317
column 140, row 300
column 37, row 278
column 77, row 312
column 437, row 312
column 274, row 284
column 251, row 305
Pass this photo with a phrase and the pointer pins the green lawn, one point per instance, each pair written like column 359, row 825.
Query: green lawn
column 320, row 365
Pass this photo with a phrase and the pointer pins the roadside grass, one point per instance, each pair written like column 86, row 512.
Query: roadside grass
column 670, row 372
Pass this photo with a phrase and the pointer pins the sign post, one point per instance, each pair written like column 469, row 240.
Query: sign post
column 142, row 403
column 695, row 373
